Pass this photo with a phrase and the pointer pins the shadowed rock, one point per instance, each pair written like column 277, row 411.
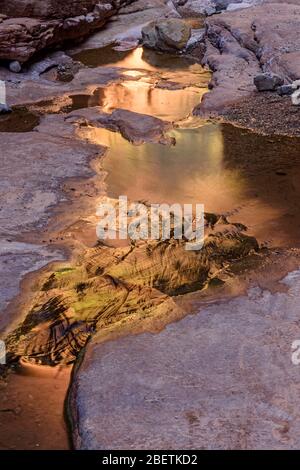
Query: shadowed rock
column 267, row 82
column 28, row 26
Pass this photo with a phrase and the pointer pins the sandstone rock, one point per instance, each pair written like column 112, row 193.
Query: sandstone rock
column 267, row 82
column 209, row 11
column 245, row 43
column 223, row 4
column 193, row 8
column 238, row 6
column 15, row 66
column 175, row 33
column 47, row 8
column 149, row 35
column 66, row 72
column 219, row 379
column 170, row 34
column 197, row 37
column 135, row 127
column 35, row 25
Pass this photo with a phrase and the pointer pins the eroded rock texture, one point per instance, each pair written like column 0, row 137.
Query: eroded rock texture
column 28, row 26
column 220, row 379
column 247, row 42
column 110, row 286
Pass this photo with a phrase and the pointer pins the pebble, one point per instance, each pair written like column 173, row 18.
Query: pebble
column 285, row 90
column 15, row 66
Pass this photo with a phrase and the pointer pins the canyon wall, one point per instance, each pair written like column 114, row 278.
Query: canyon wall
column 29, row 26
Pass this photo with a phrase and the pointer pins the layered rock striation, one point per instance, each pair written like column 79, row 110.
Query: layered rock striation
column 29, row 26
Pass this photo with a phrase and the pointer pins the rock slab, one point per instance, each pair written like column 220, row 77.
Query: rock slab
column 221, row 379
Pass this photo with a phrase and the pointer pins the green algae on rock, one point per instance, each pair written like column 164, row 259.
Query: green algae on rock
column 108, row 285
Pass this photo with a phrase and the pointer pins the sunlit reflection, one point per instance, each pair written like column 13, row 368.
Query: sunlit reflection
column 190, row 172
column 137, row 59
column 161, row 85
column 143, row 98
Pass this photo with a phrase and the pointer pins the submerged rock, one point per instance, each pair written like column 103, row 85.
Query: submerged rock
column 170, row 34
column 134, row 127
column 112, row 286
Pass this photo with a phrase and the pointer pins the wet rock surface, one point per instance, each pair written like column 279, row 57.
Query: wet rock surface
column 221, row 379
column 105, row 292
column 29, row 190
column 110, row 286
column 134, row 127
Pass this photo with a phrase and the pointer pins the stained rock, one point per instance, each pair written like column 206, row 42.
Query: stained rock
column 111, row 286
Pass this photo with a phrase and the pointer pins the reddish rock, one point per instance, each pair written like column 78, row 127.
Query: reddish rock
column 31, row 26
column 245, row 43
column 134, row 127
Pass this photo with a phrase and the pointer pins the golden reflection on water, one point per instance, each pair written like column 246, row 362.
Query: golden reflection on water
column 148, row 79
column 252, row 178
column 192, row 171
column 142, row 98
column 139, row 59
